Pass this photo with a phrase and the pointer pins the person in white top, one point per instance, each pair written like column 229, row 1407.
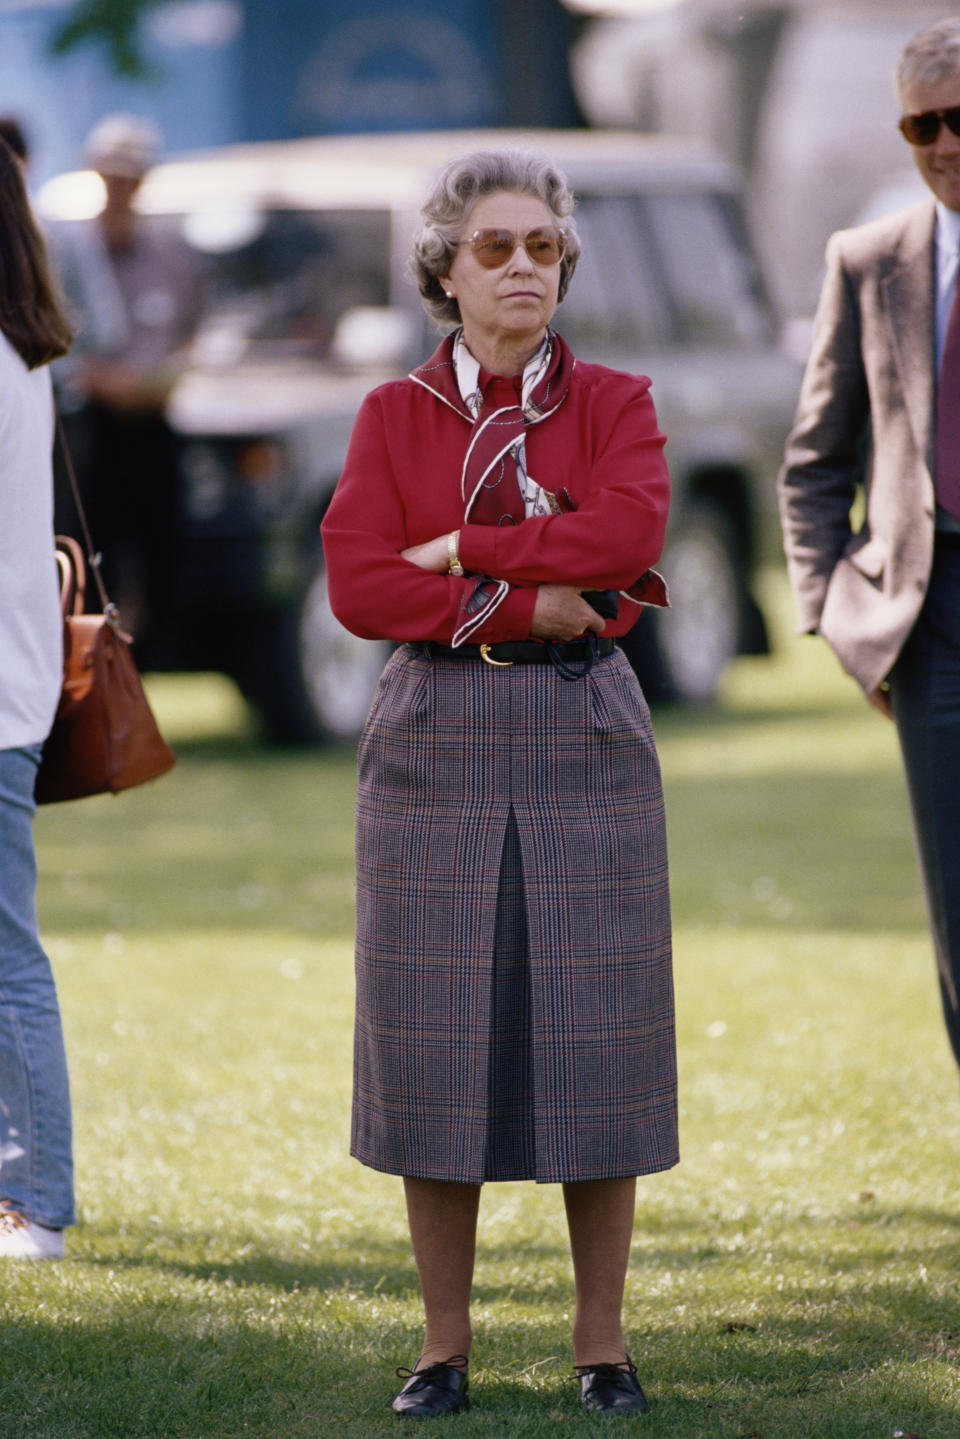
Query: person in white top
column 36, row 1162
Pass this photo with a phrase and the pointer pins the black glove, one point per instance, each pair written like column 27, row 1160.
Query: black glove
column 605, row 602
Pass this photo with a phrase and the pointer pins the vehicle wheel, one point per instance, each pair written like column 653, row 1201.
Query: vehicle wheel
column 681, row 653
column 312, row 680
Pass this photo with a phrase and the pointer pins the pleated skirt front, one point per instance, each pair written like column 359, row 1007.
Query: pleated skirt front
column 514, row 981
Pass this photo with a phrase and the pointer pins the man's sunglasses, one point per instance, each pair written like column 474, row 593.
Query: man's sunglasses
column 494, row 248
column 923, row 129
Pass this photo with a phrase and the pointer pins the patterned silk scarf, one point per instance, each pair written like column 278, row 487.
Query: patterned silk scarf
column 494, row 484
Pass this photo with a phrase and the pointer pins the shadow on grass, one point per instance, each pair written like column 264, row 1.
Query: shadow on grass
column 795, row 849
column 386, row 1268
column 681, row 721
column 539, row 1271
column 249, row 749
column 205, row 1365
column 799, row 850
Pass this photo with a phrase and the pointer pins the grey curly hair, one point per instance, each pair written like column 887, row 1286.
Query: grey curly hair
column 459, row 185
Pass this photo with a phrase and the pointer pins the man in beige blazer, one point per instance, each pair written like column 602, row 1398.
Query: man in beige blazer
column 886, row 595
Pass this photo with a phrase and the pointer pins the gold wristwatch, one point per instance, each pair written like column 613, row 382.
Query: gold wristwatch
column 454, row 567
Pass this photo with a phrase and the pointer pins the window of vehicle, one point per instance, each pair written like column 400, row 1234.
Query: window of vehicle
column 615, row 300
column 279, row 280
column 709, row 270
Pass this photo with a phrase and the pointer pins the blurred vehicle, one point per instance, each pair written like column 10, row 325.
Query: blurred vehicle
column 309, row 306
column 768, row 84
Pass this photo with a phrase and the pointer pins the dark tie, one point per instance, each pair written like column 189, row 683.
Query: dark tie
column 947, row 473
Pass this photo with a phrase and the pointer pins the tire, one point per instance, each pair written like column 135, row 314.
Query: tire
column 312, row 680
column 681, row 653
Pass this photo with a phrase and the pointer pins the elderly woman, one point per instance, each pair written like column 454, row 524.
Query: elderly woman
column 514, row 988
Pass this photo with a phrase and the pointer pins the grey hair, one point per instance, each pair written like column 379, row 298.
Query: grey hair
column 932, row 56
column 459, row 185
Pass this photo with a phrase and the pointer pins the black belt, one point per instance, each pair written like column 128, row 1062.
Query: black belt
column 520, row 652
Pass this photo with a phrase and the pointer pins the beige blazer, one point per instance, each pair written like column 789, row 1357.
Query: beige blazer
column 865, row 417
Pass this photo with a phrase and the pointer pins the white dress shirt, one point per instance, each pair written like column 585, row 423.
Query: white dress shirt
column 948, row 265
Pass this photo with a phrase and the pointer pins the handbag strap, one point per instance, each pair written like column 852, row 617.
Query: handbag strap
column 93, row 556
column 73, row 576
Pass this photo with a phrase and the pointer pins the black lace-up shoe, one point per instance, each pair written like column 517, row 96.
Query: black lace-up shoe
column 435, row 1389
column 612, row 1388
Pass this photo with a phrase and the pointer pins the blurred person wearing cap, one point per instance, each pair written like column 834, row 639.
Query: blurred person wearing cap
column 879, row 420
column 135, row 292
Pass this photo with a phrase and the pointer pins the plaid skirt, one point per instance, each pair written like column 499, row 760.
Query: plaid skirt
column 514, row 982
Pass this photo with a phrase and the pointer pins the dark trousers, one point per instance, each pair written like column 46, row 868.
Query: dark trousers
column 925, row 690
column 127, row 469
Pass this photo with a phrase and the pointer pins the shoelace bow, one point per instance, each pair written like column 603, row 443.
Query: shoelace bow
column 432, row 1371
column 608, row 1373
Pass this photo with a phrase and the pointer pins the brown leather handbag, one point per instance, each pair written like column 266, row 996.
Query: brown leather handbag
column 104, row 735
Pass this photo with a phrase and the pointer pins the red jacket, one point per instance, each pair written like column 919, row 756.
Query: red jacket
column 401, row 486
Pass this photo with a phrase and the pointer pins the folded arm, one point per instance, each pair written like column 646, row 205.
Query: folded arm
column 383, row 587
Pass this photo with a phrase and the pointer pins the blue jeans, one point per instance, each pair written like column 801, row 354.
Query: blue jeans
column 36, row 1161
column 925, row 692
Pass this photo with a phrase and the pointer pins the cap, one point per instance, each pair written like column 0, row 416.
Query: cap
column 123, row 145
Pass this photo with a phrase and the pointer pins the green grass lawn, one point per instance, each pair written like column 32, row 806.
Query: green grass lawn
column 236, row 1274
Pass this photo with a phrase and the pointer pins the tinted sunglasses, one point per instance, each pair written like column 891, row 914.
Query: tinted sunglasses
column 923, row 129
column 494, row 248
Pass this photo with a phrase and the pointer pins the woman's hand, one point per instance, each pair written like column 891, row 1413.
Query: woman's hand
column 433, row 555
column 561, row 613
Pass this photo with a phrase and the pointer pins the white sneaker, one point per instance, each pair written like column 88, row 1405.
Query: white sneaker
column 20, row 1238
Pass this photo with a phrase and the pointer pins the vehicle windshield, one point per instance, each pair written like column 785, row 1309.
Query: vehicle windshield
column 278, row 281
column 660, row 270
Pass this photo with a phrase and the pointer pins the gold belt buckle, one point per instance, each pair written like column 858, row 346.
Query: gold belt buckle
column 500, row 664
